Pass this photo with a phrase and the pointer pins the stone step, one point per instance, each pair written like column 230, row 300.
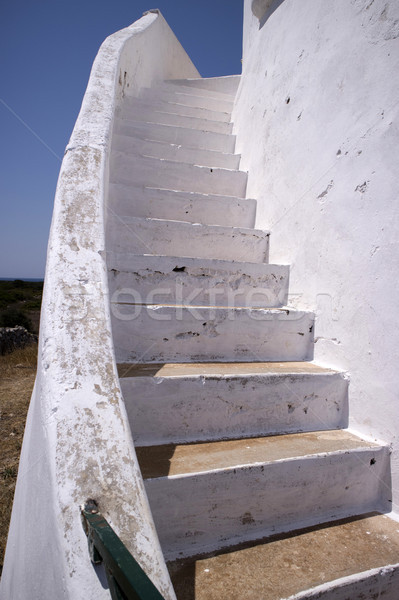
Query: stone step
column 224, row 493
column 184, row 403
column 170, row 174
column 179, row 96
column 165, row 333
column 197, row 281
column 150, row 202
column 130, row 104
column 194, row 138
column 190, row 86
column 176, row 152
column 339, row 560
column 150, row 115
column 226, row 85
column 177, row 238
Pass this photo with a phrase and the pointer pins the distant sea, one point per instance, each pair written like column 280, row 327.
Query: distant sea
column 20, row 278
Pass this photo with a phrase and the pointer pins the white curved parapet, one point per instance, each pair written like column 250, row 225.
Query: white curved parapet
column 77, row 440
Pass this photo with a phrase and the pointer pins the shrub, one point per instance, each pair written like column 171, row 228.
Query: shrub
column 13, row 317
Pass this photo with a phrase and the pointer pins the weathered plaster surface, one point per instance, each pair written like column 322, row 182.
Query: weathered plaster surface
column 190, row 408
column 165, row 333
column 194, row 156
column 150, row 114
column 339, row 477
column 316, row 124
column 177, row 238
column 78, row 442
column 219, row 86
column 370, row 584
column 169, row 93
column 173, row 175
column 259, row 7
column 213, row 140
column 196, row 281
column 142, row 201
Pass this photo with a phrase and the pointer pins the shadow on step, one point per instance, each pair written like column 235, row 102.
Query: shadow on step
column 155, row 461
column 281, row 565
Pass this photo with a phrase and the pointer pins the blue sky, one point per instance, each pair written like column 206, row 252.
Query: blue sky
column 47, row 48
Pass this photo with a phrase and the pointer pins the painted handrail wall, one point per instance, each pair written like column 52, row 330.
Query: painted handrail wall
column 77, row 440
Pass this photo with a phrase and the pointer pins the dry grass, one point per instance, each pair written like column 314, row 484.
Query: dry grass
column 17, row 376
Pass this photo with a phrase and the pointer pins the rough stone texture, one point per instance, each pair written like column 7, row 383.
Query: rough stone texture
column 78, row 440
column 148, row 202
column 172, row 333
column 169, row 174
column 176, row 238
column 171, row 94
column 12, row 338
column 183, row 403
column 328, row 558
column 196, row 281
column 223, row 493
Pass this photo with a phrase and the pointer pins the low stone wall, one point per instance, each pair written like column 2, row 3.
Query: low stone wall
column 12, row 338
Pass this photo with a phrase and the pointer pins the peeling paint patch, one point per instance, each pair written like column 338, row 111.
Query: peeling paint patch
column 325, row 192
column 362, row 187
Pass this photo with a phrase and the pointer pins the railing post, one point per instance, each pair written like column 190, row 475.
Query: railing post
column 126, row 579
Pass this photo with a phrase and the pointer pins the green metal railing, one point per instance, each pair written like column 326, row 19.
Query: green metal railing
column 126, row 579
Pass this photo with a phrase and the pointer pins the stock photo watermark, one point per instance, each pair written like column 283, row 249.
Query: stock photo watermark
column 87, row 301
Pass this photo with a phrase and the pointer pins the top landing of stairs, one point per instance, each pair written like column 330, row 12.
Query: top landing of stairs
column 222, row 85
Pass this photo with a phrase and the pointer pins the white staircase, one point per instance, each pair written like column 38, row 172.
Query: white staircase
column 238, row 435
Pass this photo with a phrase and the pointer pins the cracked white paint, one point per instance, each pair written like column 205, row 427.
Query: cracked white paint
column 169, row 93
column 221, row 512
column 181, row 409
column 207, row 282
column 147, row 171
column 198, row 333
column 176, row 108
column 177, row 152
column 176, row 238
column 151, row 114
column 211, row 140
column 77, row 441
column 152, row 202
column 375, row 583
column 316, row 123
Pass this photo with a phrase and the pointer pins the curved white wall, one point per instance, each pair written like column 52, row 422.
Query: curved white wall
column 316, row 119
column 78, row 442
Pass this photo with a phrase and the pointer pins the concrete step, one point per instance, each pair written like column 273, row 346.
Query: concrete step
column 130, row 105
column 150, row 202
column 190, row 86
column 174, row 175
column 194, row 138
column 184, row 403
column 226, row 85
column 346, row 559
column 184, row 154
column 170, row 333
column 179, row 96
column 197, row 281
column 177, row 238
column 150, row 115
column 224, row 493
